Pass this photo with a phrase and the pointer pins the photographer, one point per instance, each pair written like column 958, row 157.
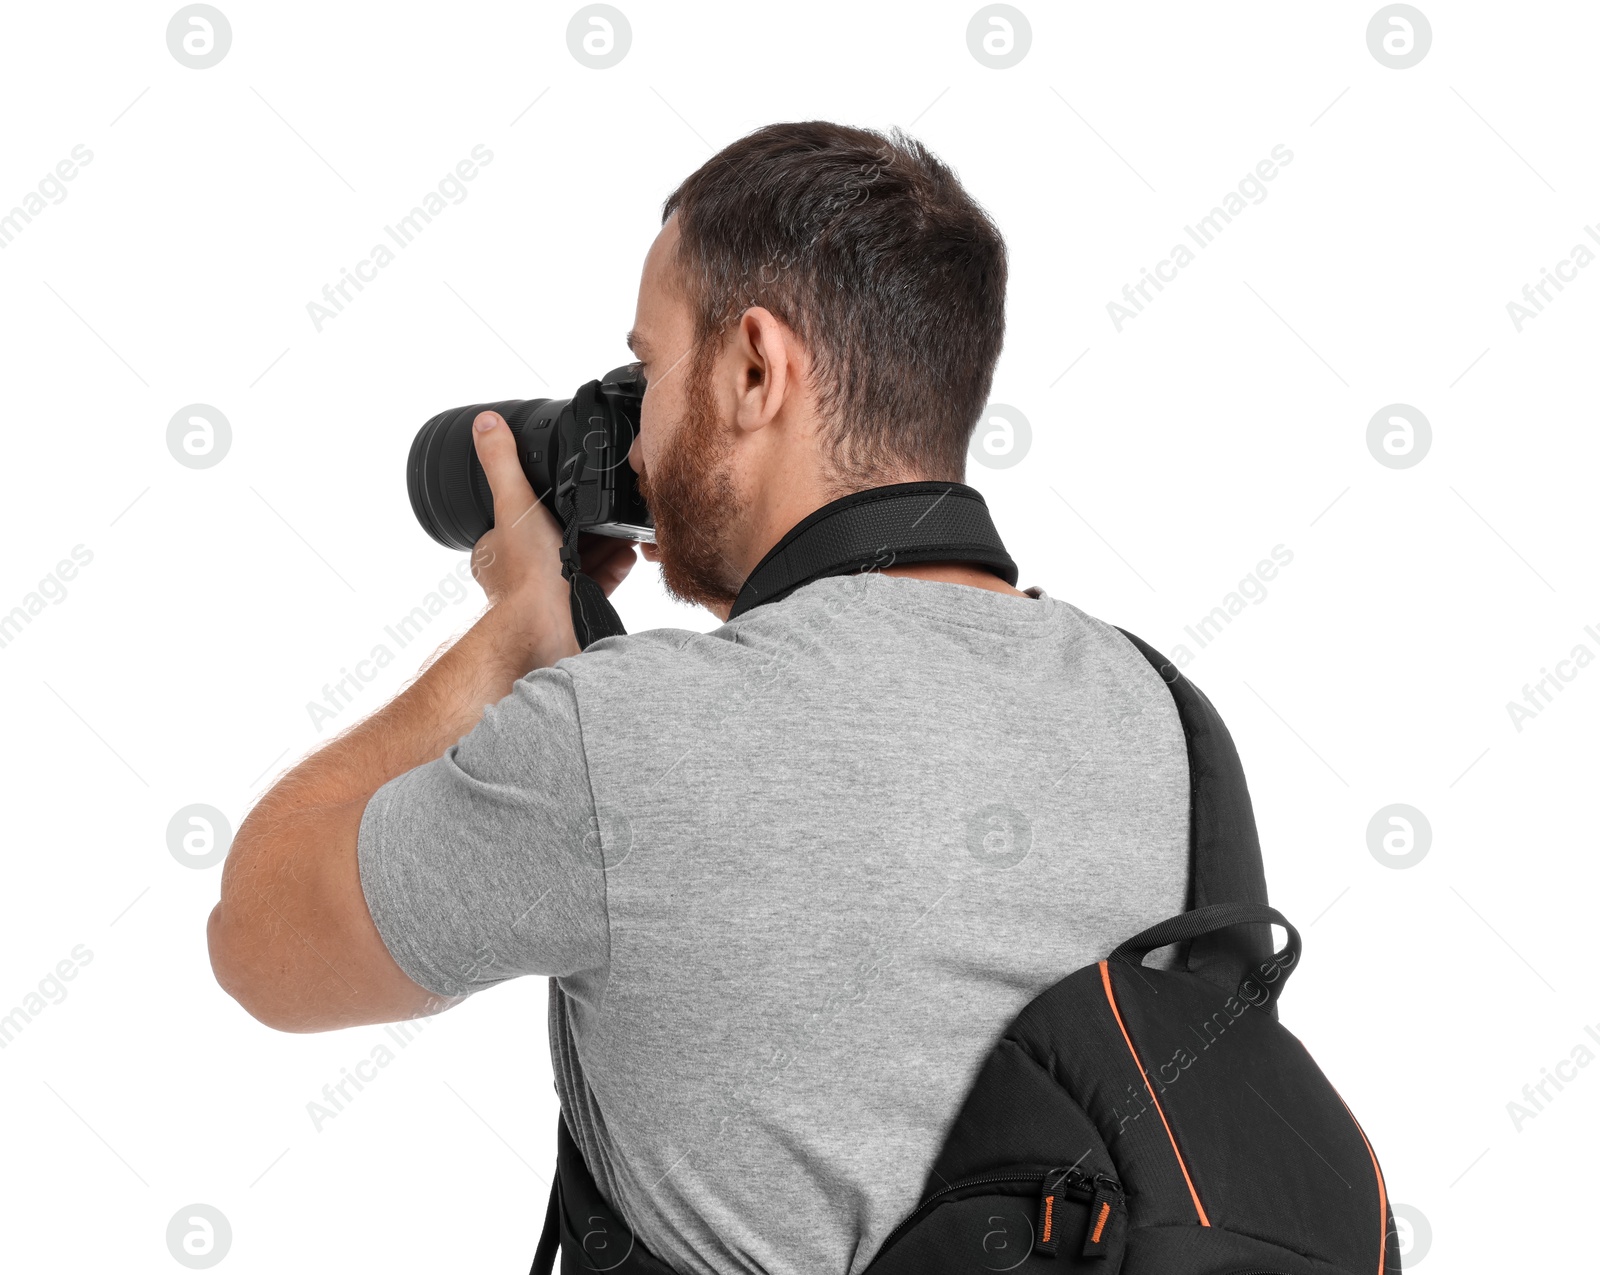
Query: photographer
column 789, row 878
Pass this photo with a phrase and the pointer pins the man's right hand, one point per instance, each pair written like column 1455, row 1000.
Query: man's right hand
column 518, row 559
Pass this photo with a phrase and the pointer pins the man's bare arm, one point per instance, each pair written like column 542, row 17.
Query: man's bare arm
column 292, row 939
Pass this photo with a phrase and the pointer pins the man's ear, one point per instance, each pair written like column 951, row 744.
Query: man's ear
column 766, row 352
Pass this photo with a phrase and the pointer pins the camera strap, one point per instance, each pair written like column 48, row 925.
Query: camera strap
column 899, row 524
column 593, row 616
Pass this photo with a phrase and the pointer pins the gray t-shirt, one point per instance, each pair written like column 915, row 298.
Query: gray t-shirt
column 790, row 879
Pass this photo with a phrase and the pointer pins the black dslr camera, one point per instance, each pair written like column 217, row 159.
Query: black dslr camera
column 573, row 450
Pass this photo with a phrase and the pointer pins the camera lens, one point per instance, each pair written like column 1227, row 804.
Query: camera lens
column 449, row 491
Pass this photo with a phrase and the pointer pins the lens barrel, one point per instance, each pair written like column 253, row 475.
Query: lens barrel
column 450, row 492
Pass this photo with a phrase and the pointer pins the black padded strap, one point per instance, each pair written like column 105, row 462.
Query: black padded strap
column 544, row 1257
column 1224, row 850
column 872, row 529
column 593, row 616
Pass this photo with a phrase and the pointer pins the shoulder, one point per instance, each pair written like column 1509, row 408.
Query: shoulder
column 1123, row 665
column 652, row 663
column 1115, row 642
column 1110, row 643
column 669, row 672
column 656, row 651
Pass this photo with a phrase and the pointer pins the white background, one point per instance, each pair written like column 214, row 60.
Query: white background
column 1230, row 417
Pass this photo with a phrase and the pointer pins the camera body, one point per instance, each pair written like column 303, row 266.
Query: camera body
column 572, row 449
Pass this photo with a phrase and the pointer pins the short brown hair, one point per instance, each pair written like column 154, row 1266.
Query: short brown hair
column 870, row 250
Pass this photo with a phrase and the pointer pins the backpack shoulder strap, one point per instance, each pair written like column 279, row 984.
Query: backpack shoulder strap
column 1224, row 851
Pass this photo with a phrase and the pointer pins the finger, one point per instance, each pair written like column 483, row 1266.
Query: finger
column 615, row 571
column 497, row 452
column 609, row 561
column 596, row 549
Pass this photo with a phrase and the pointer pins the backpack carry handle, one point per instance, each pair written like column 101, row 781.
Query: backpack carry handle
column 1261, row 986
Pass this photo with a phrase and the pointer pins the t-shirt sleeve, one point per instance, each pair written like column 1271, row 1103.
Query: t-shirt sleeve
column 483, row 864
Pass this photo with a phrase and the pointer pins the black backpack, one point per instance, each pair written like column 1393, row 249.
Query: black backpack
column 1129, row 1121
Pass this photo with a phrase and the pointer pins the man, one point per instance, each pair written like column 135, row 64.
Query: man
column 791, row 878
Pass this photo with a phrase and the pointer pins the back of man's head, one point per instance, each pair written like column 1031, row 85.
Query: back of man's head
column 870, row 250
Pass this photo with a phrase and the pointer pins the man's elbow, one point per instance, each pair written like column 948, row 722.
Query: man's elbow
column 243, row 979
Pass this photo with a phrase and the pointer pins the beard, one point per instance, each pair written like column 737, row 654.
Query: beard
column 691, row 496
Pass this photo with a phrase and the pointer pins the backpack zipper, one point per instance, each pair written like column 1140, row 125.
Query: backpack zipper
column 960, row 1185
column 1102, row 1230
column 1070, row 1180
